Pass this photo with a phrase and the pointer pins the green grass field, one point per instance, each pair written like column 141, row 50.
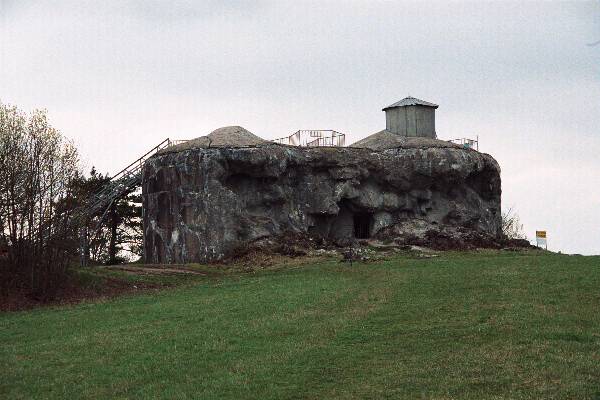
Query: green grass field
column 480, row 325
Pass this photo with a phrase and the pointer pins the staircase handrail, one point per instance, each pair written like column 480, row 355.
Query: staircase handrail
column 165, row 143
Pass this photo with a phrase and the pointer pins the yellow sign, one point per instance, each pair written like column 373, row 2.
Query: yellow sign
column 540, row 239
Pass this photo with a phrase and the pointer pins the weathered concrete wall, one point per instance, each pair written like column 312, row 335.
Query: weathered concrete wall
column 204, row 204
column 411, row 121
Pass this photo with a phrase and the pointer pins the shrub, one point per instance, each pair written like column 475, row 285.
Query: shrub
column 512, row 227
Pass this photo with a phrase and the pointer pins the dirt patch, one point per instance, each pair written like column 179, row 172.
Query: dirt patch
column 76, row 289
column 73, row 292
column 460, row 238
column 153, row 270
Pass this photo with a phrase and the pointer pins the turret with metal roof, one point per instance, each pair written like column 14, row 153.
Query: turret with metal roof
column 411, row 117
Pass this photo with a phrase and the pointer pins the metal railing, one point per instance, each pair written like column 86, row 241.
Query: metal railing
column 130, row 176
column 467, row 143
column 314, row 138
column 120, row 184
column 178, row 141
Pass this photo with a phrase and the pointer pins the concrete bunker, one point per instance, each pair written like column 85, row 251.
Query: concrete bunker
column 208, row 198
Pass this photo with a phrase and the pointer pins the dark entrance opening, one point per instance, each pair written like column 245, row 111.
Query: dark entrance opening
column 362, row 225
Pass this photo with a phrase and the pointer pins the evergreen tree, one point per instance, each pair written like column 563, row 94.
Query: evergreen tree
column 117, row 238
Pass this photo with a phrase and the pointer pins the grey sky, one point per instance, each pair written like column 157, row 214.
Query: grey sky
column 118, row 77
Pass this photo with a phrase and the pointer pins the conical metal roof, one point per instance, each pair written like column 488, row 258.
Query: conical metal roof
column 411, row 101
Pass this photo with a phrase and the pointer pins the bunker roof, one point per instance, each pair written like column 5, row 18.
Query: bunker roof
column 227, row 136
column 411, row 101
column 387, row 140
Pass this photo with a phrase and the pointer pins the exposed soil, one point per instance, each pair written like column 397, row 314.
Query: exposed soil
column 468, row 241
column 70, row 293
column 160, row 270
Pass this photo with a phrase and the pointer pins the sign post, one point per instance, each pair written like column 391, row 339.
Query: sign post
column 540, row 239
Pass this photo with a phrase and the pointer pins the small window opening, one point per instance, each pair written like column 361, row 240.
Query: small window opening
column 362, row 226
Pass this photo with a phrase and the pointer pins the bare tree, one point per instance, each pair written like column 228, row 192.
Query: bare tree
column 37, row 166
column 512, row 227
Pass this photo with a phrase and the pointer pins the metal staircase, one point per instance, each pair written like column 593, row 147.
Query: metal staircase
column 119, row 186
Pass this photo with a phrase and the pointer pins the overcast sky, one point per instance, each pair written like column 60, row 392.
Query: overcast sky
column 118, row 77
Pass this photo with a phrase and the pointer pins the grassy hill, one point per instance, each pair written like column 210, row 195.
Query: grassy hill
column 462, row 325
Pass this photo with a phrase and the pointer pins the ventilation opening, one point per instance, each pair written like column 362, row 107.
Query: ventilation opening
column 362, row 226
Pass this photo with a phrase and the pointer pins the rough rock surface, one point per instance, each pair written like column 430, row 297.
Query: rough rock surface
column 204, row 204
